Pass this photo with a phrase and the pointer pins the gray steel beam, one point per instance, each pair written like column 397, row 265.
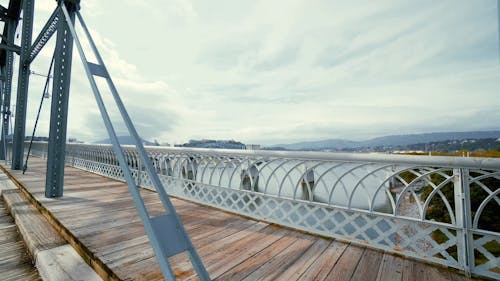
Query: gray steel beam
column 7, row 88
column 11, row 47
column 59, row 109
column 3, row 144
column 3, row 11
column 47, row 31
column 22, row 87
column 10, row 16
column 166, row 232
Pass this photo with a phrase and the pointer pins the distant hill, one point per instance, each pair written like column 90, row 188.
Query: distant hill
column 225, row 144
column 125, row 140
column 320, row 145
column 394, row 140
column 453, row 145
column 431, row 137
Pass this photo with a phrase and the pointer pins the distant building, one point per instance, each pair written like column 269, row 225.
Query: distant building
column 252, row 146
column 74, row 140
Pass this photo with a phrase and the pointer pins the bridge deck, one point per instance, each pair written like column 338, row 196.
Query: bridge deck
column 15, row 262
column 98, row 214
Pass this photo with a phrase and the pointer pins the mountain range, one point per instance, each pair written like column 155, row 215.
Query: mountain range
column 393, row 140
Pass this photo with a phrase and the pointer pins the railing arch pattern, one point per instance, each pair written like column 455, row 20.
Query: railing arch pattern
column 441, row 209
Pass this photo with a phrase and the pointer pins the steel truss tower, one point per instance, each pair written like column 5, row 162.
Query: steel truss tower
column 165, row 232
column 59, row 107
column 10, row 17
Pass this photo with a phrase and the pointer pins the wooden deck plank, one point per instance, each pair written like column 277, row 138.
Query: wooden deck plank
column 21, row 273
column 93, row 205
column 110, row 208
column 212, row 225
column 368, row 267
column 15, row 262
column 245, row 268
column 29, row 220
column 280, row 262
column 225, row 231
column 128, row 215
column 8, row 234
column 132, row 254
column 136, row 271
column 182, row 266
column 324, row 263
column 240, row 251
column 304, row 261
column 391, row 268
column 346, row 265
column 437, row 273
column 416, row 271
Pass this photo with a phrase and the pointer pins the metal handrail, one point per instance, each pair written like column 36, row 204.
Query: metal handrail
column 442, row 161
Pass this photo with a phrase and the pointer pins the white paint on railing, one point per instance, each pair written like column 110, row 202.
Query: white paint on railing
column 374, row 200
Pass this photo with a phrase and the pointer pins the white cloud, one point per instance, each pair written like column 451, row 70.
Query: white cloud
column 277, row 71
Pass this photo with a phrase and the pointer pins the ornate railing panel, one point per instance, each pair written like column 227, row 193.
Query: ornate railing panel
column 441, row 209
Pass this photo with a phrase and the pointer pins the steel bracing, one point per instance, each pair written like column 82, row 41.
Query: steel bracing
column 166, row 232
column 10, row 17
column 370, row 200
column 28, row 9
column 59, row 107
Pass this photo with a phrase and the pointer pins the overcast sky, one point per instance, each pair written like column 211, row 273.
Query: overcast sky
column 283, row 71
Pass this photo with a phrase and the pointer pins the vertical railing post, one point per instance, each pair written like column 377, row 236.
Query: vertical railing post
column 139, row 170
column 465, row 239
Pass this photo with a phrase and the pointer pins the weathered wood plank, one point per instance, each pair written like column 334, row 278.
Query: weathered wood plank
column 391, row 268
column 437, row 273
column 417, row 271
column 245, row 268
column 29, row 220
column 25, row 272
column 136, row 271
column 240, row 251
column 346, row 265
column 280, row 262
column 324, row 263
column 368, row 267
column 15, row 262
column 304, row 261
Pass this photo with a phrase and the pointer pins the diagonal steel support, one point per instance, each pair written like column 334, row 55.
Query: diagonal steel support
column 3, row 13
column 165, row 232
column 47, row 31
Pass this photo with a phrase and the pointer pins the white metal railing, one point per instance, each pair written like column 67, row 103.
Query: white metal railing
column 441, row 209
